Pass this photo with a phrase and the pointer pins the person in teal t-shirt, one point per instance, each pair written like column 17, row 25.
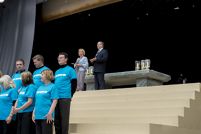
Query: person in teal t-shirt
column 38, row 61
column 20, row 68
column 46, row 100
column 25, row 104
column 7, row 98
column 66, row 82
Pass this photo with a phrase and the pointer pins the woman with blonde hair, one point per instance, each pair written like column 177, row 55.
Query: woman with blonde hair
column 46, row 100
column 25, row 104
column 7, row 100
column 81, row 66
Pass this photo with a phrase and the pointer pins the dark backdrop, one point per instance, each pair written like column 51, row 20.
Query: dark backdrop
column 165, row 31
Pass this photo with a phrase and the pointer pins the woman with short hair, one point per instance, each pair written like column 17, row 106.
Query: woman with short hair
column 81, row 66
column 46, row 100
column 25, row 104
column 7, row 99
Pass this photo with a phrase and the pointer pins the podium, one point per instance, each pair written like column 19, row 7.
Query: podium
column 139, row 78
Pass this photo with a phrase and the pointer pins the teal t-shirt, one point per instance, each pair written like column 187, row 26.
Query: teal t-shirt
column 25, row 93
column 45, row 95
column 63, row 77
column 7, row 96
column 37, row 76
column 17, row 80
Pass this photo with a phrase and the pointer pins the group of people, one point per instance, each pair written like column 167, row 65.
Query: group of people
column 99, row 63
column 27, row 98
column 31, row 103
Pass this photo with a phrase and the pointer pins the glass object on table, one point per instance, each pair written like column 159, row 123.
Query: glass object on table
column 137, row 65
column 142, row 63
column 147, row 63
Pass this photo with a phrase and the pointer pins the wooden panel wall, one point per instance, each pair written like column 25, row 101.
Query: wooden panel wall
column 53, row 9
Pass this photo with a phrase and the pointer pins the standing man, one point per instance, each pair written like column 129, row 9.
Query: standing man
column 20, row 68
column 38, row 61
column 16, row 77
column 99, row 62
column 65, row 82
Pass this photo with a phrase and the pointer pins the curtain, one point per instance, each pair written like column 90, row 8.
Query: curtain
column 17, row 24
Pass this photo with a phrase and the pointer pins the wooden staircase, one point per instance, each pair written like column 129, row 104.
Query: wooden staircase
column 167, row 109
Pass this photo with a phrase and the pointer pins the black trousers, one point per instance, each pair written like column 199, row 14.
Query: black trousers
column 42, row 127
column 10, row 128
column 25, row 124
column 3, row 127
column 99, row 80
column 62, row 113
column 13, row 126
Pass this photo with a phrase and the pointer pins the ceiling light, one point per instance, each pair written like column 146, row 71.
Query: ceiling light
column 1, row 1
column 176, row 8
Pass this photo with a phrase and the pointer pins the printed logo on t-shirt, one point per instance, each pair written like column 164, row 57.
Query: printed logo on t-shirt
column 3, row 94
column 41, row 92
column 17, row 78
column 37, row 75
column 60, row 75
column 22, row 92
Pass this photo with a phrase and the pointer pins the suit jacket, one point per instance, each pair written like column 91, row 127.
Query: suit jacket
column 101, row 59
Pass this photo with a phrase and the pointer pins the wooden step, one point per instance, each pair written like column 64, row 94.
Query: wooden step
column 167, row 120
column 130, row 129
column 122, row 105
column 141, row 90
column 164, row 129
column 110, row 128
column 129, row 112
column 134, row 97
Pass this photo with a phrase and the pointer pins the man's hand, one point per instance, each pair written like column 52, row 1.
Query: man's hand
column 92, row 60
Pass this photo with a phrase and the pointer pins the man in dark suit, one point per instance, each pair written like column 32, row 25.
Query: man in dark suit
column 99, row 62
